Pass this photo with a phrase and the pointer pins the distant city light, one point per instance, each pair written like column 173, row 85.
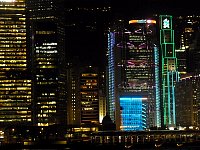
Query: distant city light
column 142, row 21
column 7, row 0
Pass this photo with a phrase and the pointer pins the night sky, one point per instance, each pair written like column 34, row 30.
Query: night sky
column 90, row 46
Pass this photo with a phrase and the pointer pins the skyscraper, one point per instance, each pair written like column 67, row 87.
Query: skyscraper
column 89, row 95
column 186, row 35
column 170, row 74
column 86, row 102
column 15, row 84
column 47, row 52
column 187, row 96
column 133, row 99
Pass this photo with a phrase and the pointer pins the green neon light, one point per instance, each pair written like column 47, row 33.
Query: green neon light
column 169, row 70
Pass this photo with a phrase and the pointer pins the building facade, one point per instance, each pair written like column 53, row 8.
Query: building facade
column 89, row 95
column 47, row 52
column 170, row 73
column 187, row 97
column 86, row 103
column 15, row 82
column 132, row 71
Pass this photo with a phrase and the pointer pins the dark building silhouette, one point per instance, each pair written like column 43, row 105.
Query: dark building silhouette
column 107, row 123
column 86, row 25
column 46, row 41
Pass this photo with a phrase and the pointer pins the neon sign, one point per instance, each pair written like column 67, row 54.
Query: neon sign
column 166, row 23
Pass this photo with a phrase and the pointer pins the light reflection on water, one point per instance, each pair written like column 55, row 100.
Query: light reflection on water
column 67, row 148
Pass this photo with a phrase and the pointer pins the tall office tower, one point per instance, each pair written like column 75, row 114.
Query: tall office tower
column 196, row 98
column 15, row 85
column 170, row 74
column 89, row 95
column 47, row 51
column 194, row 50
column 187, row 96
column 186, row 28
column 102, row 96
column 133, row 74
column 86, row 94
column 73, row 93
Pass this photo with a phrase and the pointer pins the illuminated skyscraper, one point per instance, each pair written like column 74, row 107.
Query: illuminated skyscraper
column 73, row 93
column 15, row 85
column 46, row 32
column 187, row 97
column 133, row 75
column 89, row 95
column 186, row 35
column 170, row 74
column 86, row 102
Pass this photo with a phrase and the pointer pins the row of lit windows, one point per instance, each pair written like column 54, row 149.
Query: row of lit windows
column 16, row 88
column 12, row 42
column 15, row 117
column 13, row 65
column 12, row 8
column 45, row 59
column 88, row 87
column 12, row 38
column 10, row 17
column 15, row 92
column 23, row 98
column 11, row 23
column 42, row 115
column 15, row 81
column 89, row 75
column 13, row 120
column 11, row 57
column 47, row 103
column 13, row 30
column 88, row 108
column 45, row 83
column 14, row 51
column 49, row 98
column 45, row 32
column 136, row 66
column 89, row 93
column 14, row 101
column 45, row 62
column 42, row 78
column 15, row 84
column 15, row 108
column 48, row 106
column 47, row 51
column 89, row 81
column 47, row 111
column 13, row 45
column 13, row 61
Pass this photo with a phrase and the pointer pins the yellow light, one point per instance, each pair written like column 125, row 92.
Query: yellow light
column 142, row 21
column 133, row 21
column 7, row 0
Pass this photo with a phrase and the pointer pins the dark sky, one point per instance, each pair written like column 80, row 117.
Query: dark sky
column 89, row 45
column 157, row 6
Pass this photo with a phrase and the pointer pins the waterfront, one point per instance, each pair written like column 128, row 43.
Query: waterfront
column 116, row 140
column 89, row 146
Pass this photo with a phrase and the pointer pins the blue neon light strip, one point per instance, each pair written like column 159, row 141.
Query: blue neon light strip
column 157, row 87
column 133, row 113
column 111, row 94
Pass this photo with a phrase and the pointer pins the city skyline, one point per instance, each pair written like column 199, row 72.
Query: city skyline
column 67, row 71
column 47, row 61
column 92, row 41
